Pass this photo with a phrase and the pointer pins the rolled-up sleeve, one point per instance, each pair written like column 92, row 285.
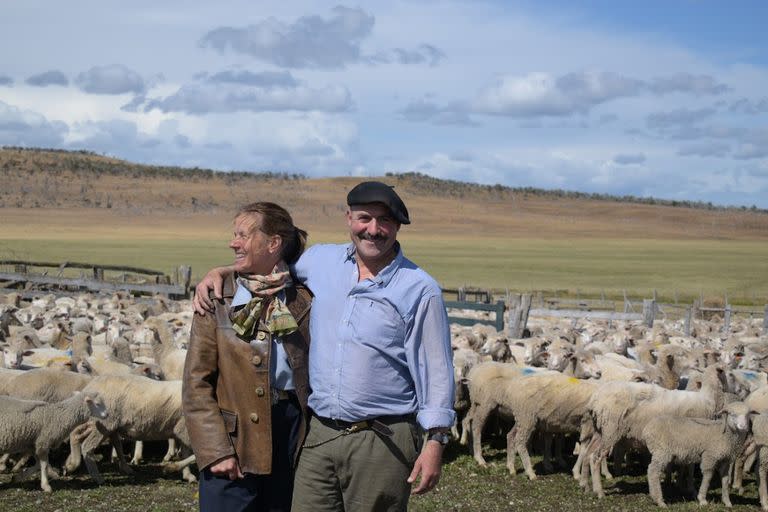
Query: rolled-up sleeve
column 428, row 346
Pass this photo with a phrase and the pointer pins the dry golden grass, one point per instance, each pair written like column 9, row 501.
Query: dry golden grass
column 56, row 206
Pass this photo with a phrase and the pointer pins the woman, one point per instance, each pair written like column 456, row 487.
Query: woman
column 245, row 378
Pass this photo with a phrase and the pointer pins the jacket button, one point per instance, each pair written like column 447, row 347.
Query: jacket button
column 256, row 360
column 259, row 391
column 254, row 417
column 261, row 335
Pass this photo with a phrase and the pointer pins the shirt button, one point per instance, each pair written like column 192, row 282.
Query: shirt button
column 259, row 391
column 254, row 417
column 256, row 360
column 261, row 336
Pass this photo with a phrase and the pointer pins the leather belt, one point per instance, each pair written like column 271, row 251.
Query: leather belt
column 378, row 425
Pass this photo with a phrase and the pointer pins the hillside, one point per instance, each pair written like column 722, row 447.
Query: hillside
column 55, row 194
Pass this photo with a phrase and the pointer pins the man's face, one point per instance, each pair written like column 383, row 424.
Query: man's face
column 372, row 229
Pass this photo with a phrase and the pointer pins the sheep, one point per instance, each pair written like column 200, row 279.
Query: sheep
column 29, row 425
column 760, row 435
column 44, row 384
column 556, row 401
column 713, row 444
column 743, row 382
column 46, row 356
column 621, row 410
column 82, row 346
column 140, row 409
column 54, row 334
column 13, row 357
column 109, row 367
column 463, row 361
column 24, row 337
column 170, row 358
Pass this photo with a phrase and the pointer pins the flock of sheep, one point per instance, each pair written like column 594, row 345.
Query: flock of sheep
column 623, row 390
column 93, row 370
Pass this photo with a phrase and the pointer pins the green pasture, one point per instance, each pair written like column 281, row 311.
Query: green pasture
column 587, row 267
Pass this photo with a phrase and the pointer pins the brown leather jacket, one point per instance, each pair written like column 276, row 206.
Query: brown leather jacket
column 226, row 395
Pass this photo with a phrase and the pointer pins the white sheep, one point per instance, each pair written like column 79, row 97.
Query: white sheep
column 140, row 409
column 44, row 384
column 620, row 410
column 551, row 400
column 34, row 426
column 13, row 357
column 760, row 436
column 170, row 358
column 714, row 444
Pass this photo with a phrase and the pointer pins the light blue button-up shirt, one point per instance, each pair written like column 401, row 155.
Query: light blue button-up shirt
column 280, row 373
column 380, row 346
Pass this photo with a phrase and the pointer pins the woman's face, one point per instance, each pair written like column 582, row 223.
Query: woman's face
column 255, row 252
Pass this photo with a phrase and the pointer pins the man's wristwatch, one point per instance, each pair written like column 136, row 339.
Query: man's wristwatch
column 438, row 434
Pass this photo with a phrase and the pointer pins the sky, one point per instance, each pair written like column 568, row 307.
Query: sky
column 661, row 98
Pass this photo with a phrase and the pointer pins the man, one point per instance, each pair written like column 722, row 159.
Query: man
column 380, row 361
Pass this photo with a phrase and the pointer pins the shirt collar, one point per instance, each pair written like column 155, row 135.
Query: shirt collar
column 385, row 275
column 243, row 296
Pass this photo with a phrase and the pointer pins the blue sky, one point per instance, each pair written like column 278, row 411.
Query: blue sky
column 656, row 98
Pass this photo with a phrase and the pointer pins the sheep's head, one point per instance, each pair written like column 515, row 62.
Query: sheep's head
column 13, row 356
column 95, row 405
column 737, row 417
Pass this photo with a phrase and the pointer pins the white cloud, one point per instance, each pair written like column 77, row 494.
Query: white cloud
column 236, row 92
column 28, row 128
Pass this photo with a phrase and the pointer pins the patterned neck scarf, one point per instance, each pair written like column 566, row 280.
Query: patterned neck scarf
column 278, row 318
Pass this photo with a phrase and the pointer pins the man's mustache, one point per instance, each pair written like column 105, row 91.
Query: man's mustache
column 373, row 238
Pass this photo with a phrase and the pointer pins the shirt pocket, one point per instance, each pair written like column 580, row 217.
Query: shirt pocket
column 377, row 323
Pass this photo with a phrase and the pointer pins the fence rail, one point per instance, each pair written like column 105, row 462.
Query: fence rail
column 497, row 308
column 36, row 275
column 517, row 308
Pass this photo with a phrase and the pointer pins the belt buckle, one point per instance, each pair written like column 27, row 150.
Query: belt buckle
column 357, row 427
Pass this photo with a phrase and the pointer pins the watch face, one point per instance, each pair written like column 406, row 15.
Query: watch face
column 440, row 437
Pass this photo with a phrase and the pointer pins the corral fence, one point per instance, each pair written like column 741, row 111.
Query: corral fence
column 518, row 308
column 29, row 278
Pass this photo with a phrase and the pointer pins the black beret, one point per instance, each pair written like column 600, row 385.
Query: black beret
column 378, row 192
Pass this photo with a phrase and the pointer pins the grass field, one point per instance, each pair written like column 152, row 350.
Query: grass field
column 690, row 267
column 59, row 206
column 464, row 487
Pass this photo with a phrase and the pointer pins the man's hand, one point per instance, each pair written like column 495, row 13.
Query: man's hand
column 213, row 280
column 227, row 467
column 429, row 465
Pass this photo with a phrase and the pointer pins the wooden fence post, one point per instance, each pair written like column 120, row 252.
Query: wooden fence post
column 649, row 311
column 185, row 274
column 500, row 306
column 727, row 321
column 688, row 315
column 98, row 273
column 518, row 315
